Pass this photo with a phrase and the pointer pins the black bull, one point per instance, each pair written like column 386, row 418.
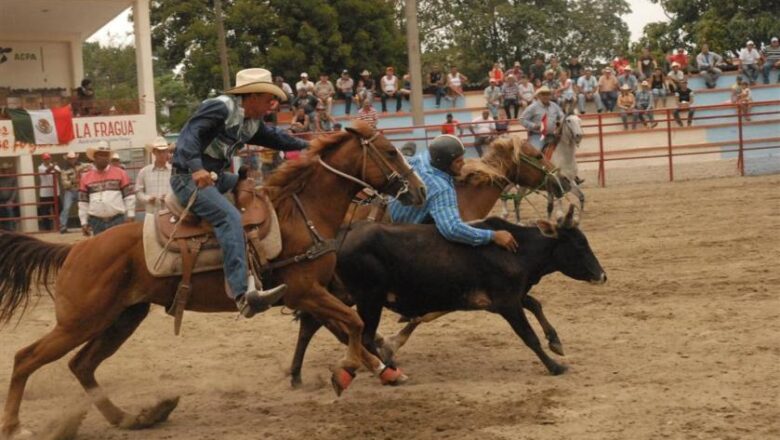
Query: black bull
column 413, row 270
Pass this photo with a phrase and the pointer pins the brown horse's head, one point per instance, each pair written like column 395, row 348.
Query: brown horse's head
column 371, row 159
column 522, row 164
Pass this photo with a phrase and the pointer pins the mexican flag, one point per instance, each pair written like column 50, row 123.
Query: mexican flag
column 43, row 127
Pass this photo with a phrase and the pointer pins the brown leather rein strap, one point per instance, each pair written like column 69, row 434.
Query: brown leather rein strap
column 320, row 246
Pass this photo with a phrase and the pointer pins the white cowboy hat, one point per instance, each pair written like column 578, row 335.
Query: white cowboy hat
column 542, row 89
column 102, row 147
column 159, row 143
column 625, row 87
column 256, row 81
column 71, row 155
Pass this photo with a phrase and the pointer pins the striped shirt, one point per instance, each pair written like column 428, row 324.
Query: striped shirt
column 772, row 54
column 368, row 116
column 510, row 91
column 441, row 204
column 105, row 194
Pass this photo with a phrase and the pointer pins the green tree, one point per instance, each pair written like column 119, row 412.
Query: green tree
column 112, row 71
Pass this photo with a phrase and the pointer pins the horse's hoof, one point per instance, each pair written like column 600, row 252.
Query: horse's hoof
column 296, row 382
column 558, row 369
column 392, row 376
column 556, row 347
column 342, row 379
column 149, row 417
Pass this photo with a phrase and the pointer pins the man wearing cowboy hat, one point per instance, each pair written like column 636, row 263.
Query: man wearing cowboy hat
column 541, row 119
column 71, row 176
column 218, row 129
column 106, row 196
column 153, row 182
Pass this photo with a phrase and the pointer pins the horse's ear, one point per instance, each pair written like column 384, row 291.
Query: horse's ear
column 243, row 172
column 547, row 229
column 567, row 222
column 361, row 129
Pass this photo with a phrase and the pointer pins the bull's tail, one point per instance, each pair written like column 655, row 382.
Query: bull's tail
column 25, row 261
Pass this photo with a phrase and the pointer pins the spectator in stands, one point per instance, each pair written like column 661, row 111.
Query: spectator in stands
column 86, row 96
column 70, row 175
column 455, row 83
column 406, row 88
column 279, row 81
column 566, row 95
column 390, row 86
column 619, row 63
column 743, row 97
column 748, row 62
column 409, row 149
column 709, row 64
column 368, row 82
column 510, row 94
column 450, row 125
column 301, row 121
column 492, row 94
column 541, row 119
column 362, row 94
column 658, row 85
column 608, row 89
column 646, row 64
column 675, row 77
column 153, row 182
column 483, row 128
column 305, row 101
column 368, row 113
column 575, row 69
column 516, row 70
column 305, row 84
column 323, row 121
column 680, row 58
column 771, row 56
column 527, row 92
column 47, row 170
column 325, row 92
column 116, row 161
column 644, row 106
column 684, row 101
column 436, row 84
column 8, row 194
column 555, row 66
column 627, row 78
column 496, row 74
column 552, row 83
column 345, row 86
column 537, row 69
column 588, row 90
column 626, row 103
column 106, row 196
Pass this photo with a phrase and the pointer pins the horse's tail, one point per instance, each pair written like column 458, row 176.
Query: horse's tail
column 25, row 260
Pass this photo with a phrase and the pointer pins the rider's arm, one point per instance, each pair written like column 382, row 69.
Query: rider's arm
column 528, row 117
column 444, row 210
column 199, row 131
column 276, row 138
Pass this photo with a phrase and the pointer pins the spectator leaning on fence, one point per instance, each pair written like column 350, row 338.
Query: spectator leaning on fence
column 748, row 62
column 771, row 55
column 709, row 64
column 483, row 128
column 743, row 97
column 492, row 96
column 588, row 90
column 153, row 182
column 450, row 125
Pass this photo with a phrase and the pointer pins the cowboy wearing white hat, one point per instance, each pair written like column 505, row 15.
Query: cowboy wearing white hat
column 541, row 118
column 106, row 196
column 218, row 129
column 154, row 180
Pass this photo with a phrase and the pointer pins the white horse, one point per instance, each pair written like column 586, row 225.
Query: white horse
column 569, row 135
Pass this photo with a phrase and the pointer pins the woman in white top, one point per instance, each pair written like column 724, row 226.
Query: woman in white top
column 526, row 91
column 566, row 93
column 455, row 82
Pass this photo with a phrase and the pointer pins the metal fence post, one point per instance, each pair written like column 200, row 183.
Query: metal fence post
column 602, row 172
column 56, row 208
column 741, row 153
column 669, row 143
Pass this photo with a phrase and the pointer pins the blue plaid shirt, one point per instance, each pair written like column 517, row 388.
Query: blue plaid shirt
column 441, row 203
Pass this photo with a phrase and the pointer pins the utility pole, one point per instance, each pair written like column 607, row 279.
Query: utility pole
column 222, row 45
column 415, row 66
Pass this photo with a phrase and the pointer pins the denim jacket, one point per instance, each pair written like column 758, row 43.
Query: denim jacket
column 218, row 129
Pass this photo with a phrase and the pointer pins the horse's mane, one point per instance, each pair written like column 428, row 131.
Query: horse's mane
column 293, row 175
column 492, row 168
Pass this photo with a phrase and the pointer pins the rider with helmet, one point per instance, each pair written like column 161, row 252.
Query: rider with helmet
column 437, row 170
column 218, row 129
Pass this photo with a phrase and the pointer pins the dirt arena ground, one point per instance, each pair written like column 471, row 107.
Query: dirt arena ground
column 681, row 343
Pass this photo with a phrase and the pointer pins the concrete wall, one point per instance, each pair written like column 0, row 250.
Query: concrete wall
column 35, row 65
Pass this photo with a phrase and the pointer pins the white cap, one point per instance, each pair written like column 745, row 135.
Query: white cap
column 775, row 40
column 304, row 75
column 71, row 155
column 750, row 43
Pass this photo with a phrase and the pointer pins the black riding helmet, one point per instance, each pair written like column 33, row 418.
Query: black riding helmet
column 444, row 150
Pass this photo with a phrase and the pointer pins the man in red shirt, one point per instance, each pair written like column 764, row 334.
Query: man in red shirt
column 106, row 196
column 680, row 58
column 450, row 126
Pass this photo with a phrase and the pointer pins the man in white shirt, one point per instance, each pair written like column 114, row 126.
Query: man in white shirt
column 482, row 127
column 154, row 181
column 588, row 90
column 47, row 170
column 748, row 62
column 304, row 83
column 346, row 87
column 389, row 85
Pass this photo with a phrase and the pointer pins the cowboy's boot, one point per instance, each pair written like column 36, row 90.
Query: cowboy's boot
column 257, row 300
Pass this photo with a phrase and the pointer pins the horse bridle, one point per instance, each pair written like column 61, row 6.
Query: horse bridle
column 392, row 177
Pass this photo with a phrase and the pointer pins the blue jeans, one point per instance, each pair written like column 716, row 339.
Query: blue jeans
column 440, row 92
column 347, row 102
column 751, row 73
column 609, row 99
column 213, row 207
column 99, row 225
column 766, row 70
column 68, row 197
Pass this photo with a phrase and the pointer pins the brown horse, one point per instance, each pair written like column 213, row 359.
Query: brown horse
column 103, row 289
column 508, row 161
